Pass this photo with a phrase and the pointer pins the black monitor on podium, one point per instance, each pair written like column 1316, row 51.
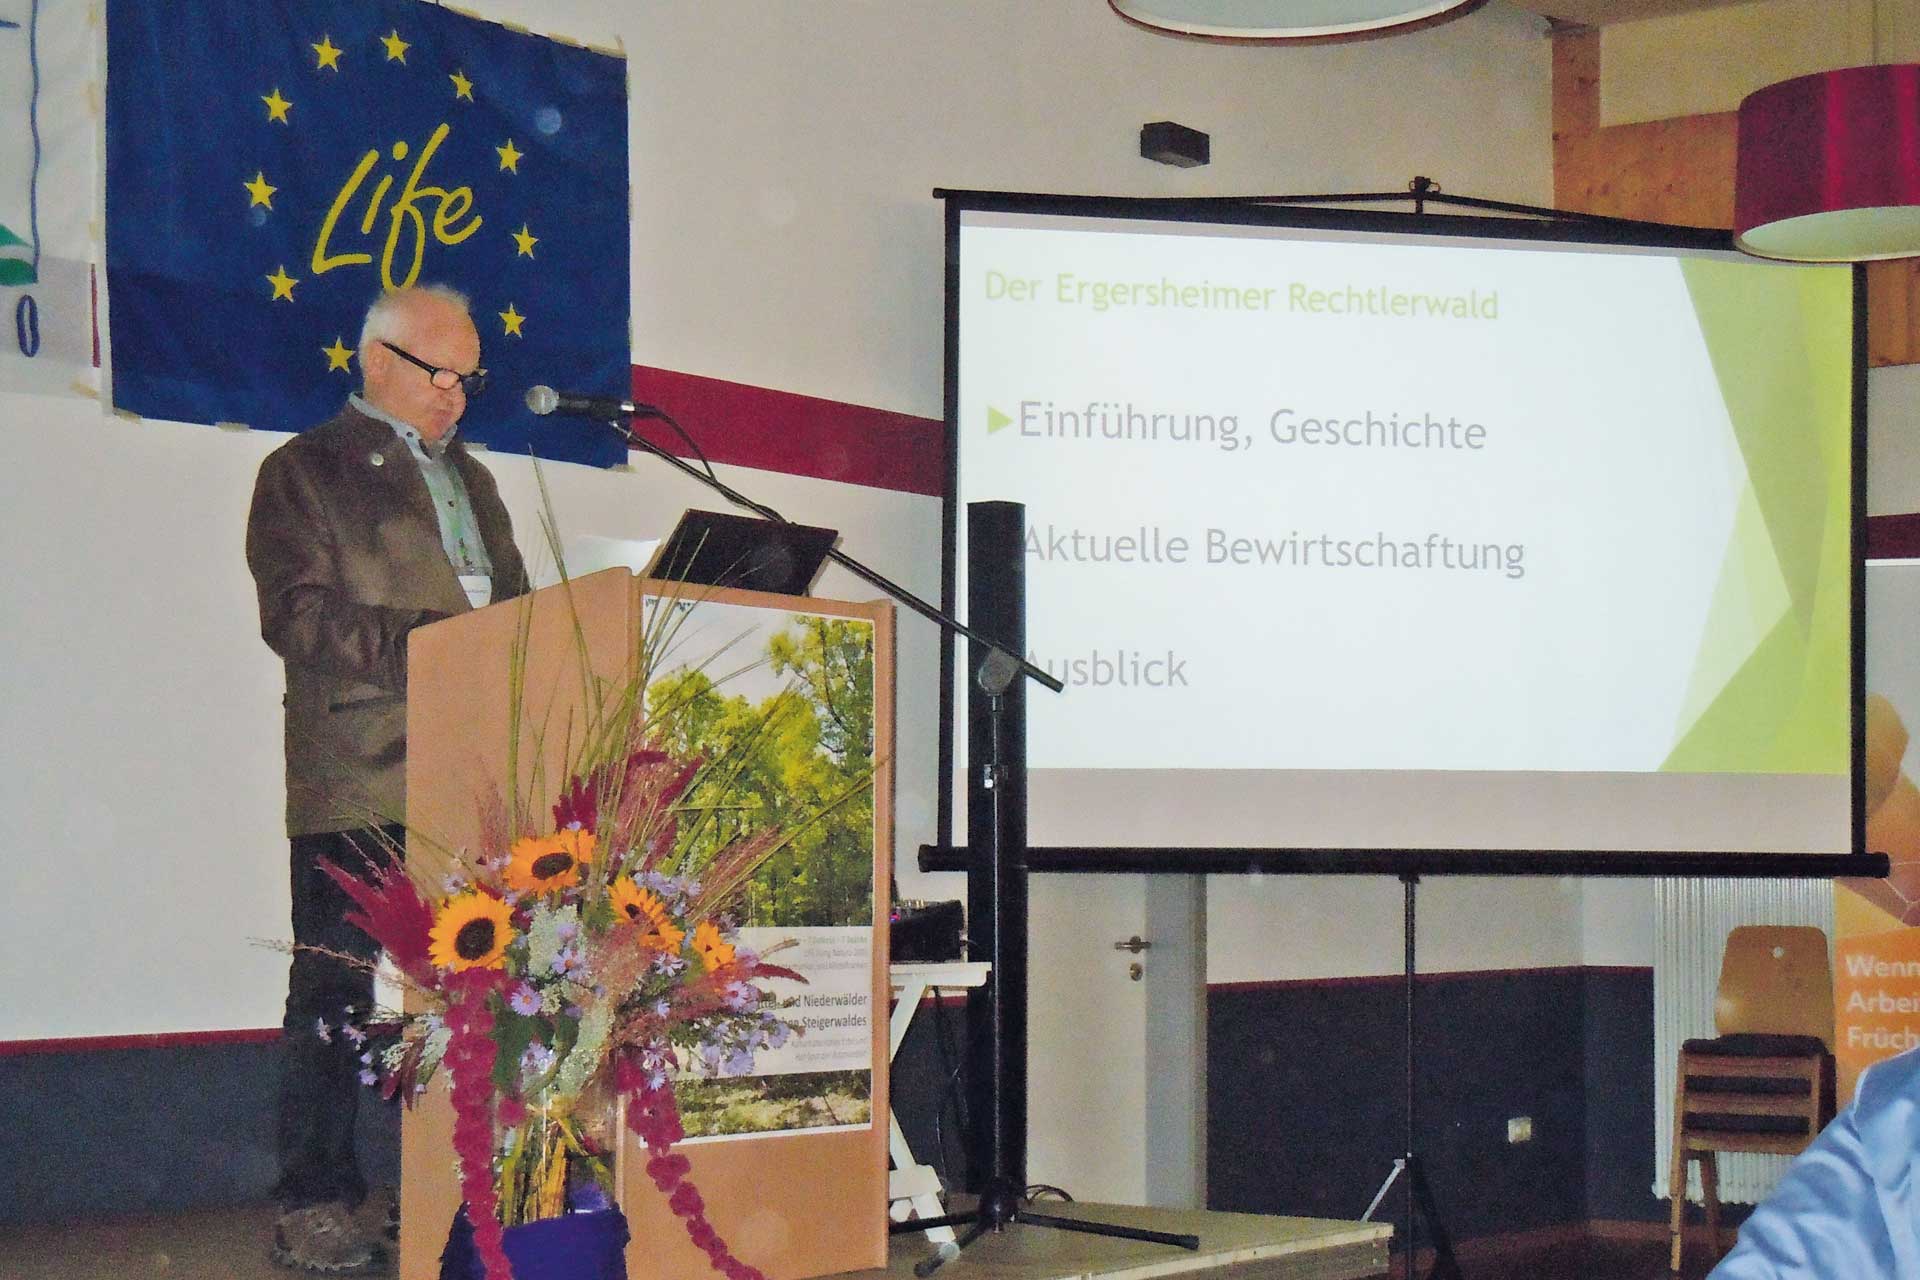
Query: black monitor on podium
column 720, row 549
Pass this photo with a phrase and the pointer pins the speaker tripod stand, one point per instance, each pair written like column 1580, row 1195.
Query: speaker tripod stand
column 1003, row 1201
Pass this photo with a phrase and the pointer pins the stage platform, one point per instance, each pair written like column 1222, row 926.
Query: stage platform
column 1233, row 1246
column 231, row 1244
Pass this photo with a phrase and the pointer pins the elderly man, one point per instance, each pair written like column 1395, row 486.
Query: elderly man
column 1849, row 1206
column 363, row 528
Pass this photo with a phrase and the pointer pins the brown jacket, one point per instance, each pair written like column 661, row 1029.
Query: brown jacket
column 347, row 558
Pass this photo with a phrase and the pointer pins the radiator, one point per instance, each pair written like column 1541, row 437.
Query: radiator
column 1691, row 921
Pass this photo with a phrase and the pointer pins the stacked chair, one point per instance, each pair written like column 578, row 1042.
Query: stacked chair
column 1765, row 1082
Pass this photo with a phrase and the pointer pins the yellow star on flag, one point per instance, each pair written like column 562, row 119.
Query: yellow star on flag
column 525, row 240
column 276, row 105
column 511, row 320
column 396, row 47
column 261, row 190
column 509, row 157
column 337, row 355
column 462, row 87
column 282, row 284
column 326, row 53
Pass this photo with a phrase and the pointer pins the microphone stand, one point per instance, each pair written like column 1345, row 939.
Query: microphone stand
column 932, row 613
column 1003, row 1201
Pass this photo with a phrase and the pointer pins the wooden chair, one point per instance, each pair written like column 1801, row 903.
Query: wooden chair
column 1765, row 1082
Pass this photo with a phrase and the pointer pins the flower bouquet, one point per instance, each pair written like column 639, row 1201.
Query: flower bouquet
column 578, row 958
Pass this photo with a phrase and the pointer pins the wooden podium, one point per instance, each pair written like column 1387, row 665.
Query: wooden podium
column 795, row 1204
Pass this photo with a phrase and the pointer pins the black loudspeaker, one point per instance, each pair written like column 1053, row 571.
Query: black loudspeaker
column 997, row 835
column 925, row 932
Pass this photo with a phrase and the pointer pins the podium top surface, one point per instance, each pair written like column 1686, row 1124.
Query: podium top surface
column 1248, row 1246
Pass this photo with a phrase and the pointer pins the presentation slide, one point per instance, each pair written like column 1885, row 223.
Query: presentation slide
column 1356, row 539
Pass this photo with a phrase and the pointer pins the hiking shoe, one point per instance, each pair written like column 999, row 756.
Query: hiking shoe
column 322, row 1239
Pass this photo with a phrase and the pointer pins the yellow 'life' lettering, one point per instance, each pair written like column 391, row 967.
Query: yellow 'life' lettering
column 405, row 218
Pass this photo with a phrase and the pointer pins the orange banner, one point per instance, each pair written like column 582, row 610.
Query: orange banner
column 1877, row 922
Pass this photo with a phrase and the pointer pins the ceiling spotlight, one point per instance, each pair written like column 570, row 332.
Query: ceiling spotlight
column 1288, row 19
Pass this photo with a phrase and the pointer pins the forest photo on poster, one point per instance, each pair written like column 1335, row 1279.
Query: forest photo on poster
column 791, row 698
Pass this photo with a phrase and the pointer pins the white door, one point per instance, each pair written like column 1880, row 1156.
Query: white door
column 1086, row 1037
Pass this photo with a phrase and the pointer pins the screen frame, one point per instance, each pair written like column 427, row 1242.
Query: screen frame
column 1550, row 227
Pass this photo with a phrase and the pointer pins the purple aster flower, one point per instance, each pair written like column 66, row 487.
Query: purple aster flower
column 368, row 1078
column 537, row 1059
column 321, row 1029
column 567, row 930
column 738, row 1063
column 353, row 1033
column 777, row 1034
column 524, row 1000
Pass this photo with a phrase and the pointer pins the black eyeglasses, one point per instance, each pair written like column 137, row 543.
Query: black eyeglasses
column 445, row 379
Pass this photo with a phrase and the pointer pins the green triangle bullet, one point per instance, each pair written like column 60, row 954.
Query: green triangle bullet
column 996, row 420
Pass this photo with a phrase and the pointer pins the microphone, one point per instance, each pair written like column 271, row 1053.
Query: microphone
column 545, row 400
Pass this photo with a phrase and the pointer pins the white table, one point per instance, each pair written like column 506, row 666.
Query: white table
column 914, row 1188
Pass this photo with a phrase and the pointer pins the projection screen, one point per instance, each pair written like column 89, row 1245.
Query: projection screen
column 1371, row 531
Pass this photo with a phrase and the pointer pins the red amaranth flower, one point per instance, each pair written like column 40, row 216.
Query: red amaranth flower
column 578, row 804
column 391, row 912
column 651, row 1113
column 469, row 1058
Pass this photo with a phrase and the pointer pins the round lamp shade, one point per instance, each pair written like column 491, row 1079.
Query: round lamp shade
column 1828, row 167
column 1287, row 19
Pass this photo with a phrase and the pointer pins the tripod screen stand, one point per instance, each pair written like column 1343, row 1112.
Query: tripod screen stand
column 1419, row 1193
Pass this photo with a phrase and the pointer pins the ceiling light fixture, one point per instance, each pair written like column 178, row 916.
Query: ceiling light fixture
column 1828, row 167
column 1288, row 19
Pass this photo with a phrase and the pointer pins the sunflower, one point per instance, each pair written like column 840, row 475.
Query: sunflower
column 543, row 864
column 471, row 931
column 643, row 906
column 714, row 950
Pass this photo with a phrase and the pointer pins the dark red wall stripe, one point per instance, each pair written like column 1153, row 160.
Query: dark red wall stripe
column 164, row 1040
column 799, row 435
column 1893, row 537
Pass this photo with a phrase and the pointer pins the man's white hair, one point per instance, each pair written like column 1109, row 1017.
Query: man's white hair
column 387, row 316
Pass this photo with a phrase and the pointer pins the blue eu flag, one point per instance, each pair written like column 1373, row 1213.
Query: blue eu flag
column 271, row 168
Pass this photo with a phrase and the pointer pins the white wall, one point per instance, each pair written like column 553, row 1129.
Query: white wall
column 1893, row 440
column 787, row 151
column 141, row 740
column 784, row 235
